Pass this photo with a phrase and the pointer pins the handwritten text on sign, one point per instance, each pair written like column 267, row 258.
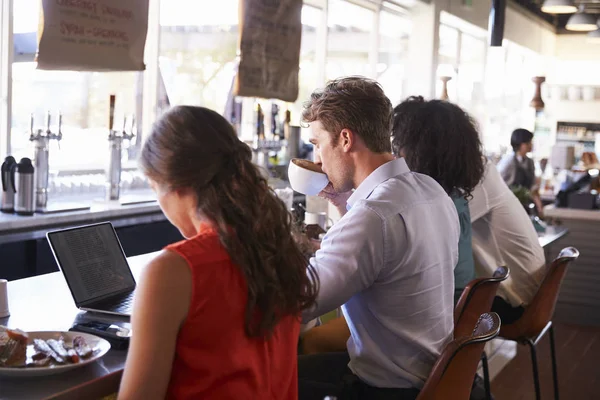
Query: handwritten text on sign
column 93, row 35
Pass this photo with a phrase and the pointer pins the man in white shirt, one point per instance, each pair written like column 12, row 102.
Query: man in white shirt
column 388, row 261
column 503, row 235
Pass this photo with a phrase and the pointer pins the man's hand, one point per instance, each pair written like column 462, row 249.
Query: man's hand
column 339, row 200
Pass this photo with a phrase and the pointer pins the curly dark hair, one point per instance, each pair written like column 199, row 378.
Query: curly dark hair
column 355, row 103
column 196, row 148
column 439, row 139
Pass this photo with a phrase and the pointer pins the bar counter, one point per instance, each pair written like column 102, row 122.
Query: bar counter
column 579, row 299
column 44, row 303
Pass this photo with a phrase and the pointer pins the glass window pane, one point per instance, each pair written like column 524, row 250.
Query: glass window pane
column 198, row 47
column 349, row 40
column 394, row 33
column 81, row 97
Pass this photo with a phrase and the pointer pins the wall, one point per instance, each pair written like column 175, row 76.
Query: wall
column 576, row 63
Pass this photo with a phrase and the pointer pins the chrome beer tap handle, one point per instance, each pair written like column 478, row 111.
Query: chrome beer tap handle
column 48, row 121
column 32, row 133
column 59, row 134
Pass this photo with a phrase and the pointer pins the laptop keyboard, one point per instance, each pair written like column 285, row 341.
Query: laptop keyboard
column 121, row 304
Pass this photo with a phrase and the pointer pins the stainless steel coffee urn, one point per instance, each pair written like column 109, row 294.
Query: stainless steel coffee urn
column 24, row 187
column 8, row 185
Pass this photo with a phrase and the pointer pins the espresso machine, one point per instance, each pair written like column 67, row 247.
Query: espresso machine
column 115, row 140
column 41, row 140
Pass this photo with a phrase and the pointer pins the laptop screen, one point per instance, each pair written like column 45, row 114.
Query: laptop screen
column 92, row 261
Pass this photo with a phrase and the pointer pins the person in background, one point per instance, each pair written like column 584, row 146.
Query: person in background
column 388, row 261
column 515, row 167
column 503, row 235
column 217, row 315
column 439, row 139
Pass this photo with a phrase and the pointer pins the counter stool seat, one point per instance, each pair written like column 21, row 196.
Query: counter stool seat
column 537, row 317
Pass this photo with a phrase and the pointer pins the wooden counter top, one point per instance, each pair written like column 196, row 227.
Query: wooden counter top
column 44, row 303
column 554, row 212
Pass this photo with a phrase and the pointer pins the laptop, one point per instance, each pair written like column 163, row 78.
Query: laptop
column 95, row 268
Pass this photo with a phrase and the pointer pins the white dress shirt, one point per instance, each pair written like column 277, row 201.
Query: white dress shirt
column 502, row 235
column 390, row 262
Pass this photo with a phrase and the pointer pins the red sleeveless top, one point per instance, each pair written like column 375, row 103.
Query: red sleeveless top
column 214, row 359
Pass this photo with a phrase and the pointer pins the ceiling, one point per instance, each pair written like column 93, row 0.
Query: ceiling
column 559, row 21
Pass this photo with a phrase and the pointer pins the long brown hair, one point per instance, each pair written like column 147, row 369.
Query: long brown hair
column 194, row 147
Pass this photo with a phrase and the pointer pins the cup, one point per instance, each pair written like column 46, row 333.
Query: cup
column 287, row 196
column 4, row 298
column 316, row 218
column 306, row 177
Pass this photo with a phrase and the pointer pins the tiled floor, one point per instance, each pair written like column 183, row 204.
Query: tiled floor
column 578, row 357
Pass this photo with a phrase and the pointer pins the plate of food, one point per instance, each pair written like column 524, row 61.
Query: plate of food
column 47, row 353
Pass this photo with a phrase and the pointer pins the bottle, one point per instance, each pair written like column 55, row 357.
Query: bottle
column 260, row 122
column 8, row 184
column 24, row 187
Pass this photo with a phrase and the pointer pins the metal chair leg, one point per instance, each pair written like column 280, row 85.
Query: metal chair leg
column 536, row 375
column 554, row 368
column 486, row 376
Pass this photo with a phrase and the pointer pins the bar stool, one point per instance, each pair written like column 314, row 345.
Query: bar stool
column 452, row 375
column 477, row 298
column 537, row 318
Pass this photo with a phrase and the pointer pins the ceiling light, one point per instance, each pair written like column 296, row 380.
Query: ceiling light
column 594, row 36
column 559, row 7
column 582, row 22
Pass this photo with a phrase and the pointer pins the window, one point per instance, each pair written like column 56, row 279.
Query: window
column 508, row 92
column 349, row 39
column 195, row 50
column 198, row 47
column 81, row 97
column 394, row 31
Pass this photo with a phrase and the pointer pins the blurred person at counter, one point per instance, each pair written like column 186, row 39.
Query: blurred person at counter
column 216, row 315
column 388, row 261
column 504, row 235
column 516, row 168
column 439, row 139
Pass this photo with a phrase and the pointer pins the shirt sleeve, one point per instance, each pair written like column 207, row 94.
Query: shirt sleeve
column 507, row 169
column 479, row 203
column 350, row 259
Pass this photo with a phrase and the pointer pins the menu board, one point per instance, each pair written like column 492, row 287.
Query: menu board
column 270, row 36
column 92, row 35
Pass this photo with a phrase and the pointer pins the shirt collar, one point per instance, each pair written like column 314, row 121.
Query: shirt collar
column 386, row 171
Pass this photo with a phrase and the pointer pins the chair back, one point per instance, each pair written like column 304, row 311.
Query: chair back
column 476, row 299
column 539, row 312
column 452, row 375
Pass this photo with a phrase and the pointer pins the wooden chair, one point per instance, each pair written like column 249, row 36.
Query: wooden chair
column 537, row 318
column 452, row 375
column 477, row 298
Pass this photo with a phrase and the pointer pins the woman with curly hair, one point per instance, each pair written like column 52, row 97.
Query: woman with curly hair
column 217, row 315
column 439, row 139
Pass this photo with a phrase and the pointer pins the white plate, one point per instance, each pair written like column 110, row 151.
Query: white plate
column 99, row 345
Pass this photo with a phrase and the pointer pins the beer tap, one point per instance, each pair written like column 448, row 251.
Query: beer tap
column 115, row 140
column 41, row 140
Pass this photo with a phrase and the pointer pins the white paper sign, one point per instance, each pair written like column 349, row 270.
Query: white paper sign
column 92, row 35
column 271, row 31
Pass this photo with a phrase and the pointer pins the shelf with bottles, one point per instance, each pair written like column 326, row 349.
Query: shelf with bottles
column 577, row 131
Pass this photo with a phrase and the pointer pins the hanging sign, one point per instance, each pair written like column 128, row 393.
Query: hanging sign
column 92, row 35
column 270, row 34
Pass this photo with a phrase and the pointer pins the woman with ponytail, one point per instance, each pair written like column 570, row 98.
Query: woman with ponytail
column 216, row 316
